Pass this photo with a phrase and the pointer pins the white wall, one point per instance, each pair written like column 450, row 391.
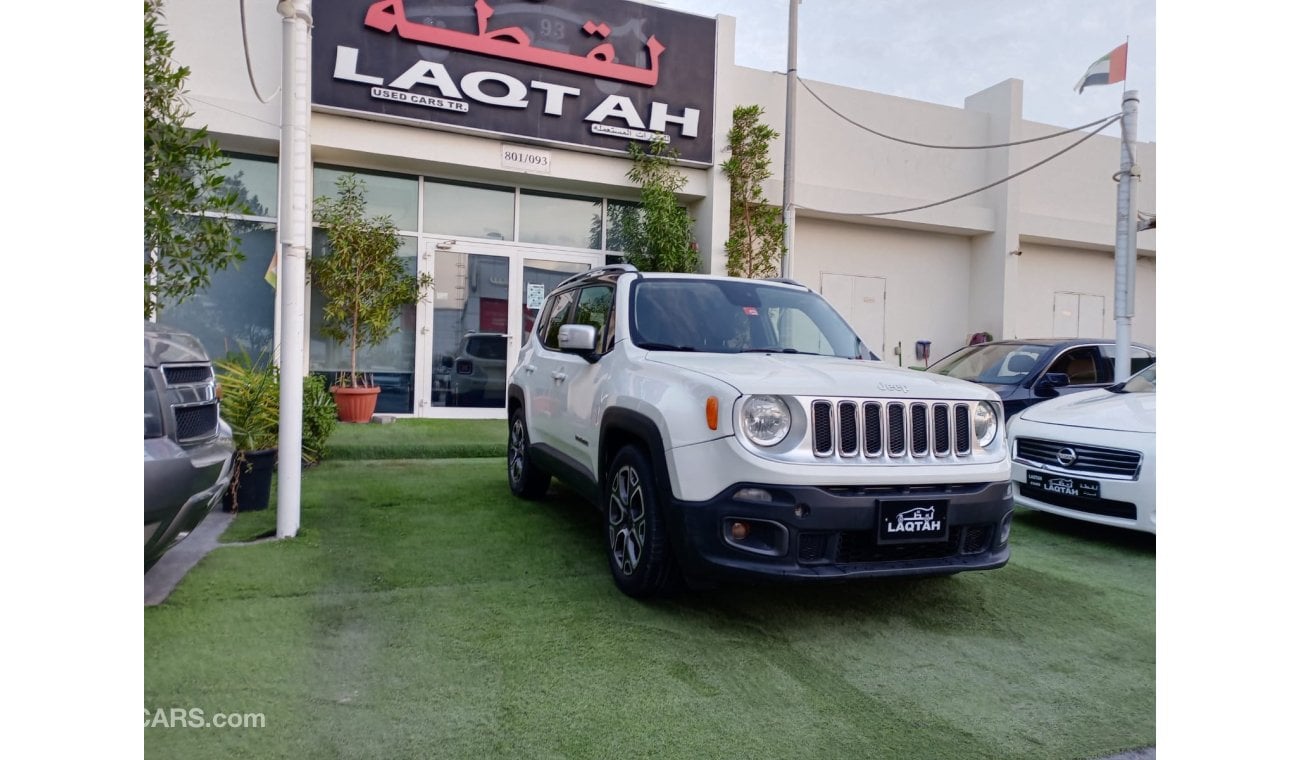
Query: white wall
column 1046, row 270
column 927, row 278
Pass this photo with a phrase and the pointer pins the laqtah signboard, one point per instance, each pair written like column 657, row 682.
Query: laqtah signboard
column 592, row 73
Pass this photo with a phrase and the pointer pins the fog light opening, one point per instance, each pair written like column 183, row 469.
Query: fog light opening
column 739, row 530
column 1004, row 533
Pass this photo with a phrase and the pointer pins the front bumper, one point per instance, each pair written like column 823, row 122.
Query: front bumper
column 813, row 533
column 1127, row 504
column 181, row 486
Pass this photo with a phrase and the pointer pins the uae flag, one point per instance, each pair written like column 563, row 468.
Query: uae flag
column 1109, row 69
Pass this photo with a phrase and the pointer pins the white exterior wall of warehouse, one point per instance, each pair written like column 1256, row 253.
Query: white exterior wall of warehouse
column 1018, row 260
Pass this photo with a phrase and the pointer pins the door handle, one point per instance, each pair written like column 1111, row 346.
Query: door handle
column 529, row 368
column 559, row 377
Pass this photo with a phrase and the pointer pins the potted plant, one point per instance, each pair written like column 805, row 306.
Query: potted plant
column 250, row 404
column 365, row 286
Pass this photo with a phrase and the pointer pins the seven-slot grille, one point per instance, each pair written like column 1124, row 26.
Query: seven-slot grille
column 1092, row 460
column 890, row 429
column 193, row 404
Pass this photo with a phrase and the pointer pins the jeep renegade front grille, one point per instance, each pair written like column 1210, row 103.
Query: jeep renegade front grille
column 893, row 430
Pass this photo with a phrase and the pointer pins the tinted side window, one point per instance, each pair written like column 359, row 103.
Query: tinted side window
column 595, row 307
column 558, row 313
column 1081, row 366
column 1139, row 359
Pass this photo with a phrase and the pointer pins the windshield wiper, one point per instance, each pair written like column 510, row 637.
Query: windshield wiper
column 664, row 347
column 776, row 350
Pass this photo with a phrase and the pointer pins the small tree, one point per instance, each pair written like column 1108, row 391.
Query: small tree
column 660, row 237
column 362, row 278
column 756, row 243
column 187, row 233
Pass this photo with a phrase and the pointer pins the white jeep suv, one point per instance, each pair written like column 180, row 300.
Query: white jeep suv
column 731, row 428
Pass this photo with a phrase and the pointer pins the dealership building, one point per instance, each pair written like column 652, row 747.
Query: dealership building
column 495, row 134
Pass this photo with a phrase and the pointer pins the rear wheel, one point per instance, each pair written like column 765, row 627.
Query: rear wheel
column 640, row 558
column 526, row 479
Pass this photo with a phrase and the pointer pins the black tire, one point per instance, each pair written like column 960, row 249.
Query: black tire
column 636, row 537
column 527, row 480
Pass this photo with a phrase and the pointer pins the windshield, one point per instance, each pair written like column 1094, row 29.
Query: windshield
column 738, row 316
column 1142, row 382
column 997, row 363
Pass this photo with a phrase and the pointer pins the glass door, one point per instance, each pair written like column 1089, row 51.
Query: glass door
column 468, row 332
column 485, row 298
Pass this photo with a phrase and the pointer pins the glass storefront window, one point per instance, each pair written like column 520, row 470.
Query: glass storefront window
column 257, row 180
column 618, row 214
column 391, row 363
column 396, row 196
column 566, row 220
column 236, row 312
column 481, row 211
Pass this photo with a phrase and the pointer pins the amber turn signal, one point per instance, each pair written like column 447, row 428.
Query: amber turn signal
column 711, row 412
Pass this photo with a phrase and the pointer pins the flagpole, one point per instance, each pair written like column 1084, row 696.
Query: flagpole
column 787, row 178
column 1126, row 236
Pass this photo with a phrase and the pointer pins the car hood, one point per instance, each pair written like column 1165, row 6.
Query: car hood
column 166, row 345
column 805, row 375
column 1101, row 409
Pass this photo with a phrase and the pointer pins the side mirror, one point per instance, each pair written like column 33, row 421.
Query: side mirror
column 577, row 338
column 1050, row 382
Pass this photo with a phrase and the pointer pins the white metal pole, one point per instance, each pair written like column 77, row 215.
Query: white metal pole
column 295, row 163
column 1126, row 237
column 787, row 178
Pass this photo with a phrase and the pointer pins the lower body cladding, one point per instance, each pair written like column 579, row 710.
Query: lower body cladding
column 842, row 532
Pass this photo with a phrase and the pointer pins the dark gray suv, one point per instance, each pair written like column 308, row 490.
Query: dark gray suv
column 187, row 446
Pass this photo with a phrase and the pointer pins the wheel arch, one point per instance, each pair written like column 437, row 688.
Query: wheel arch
column 621, row 427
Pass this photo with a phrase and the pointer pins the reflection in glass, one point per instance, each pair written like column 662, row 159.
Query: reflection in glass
column 391, row 363
column 397, row 197
column 618, row 214
column 470, row 309
column 236, row 312
column 540, row 278
column 565, row 220
column 256, row 180
column 452, row 208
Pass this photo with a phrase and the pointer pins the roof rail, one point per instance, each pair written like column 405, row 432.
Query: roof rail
column 787, row 281
column 596, row 271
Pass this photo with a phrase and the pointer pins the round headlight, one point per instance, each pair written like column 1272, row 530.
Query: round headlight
column 765, row 420
column 986, row 423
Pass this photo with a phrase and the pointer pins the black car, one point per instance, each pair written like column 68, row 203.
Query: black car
column 1024, row 372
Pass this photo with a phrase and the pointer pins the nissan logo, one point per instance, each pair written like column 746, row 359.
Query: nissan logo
column 1066, row 457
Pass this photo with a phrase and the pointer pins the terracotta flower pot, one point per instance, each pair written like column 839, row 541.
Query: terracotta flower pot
column 355, row 404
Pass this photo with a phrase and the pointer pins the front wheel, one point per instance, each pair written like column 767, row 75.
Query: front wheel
column 526, row 479
column 640, row 558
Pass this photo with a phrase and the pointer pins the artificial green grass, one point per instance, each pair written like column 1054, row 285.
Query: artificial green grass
column 425, row 612
column 418, row 439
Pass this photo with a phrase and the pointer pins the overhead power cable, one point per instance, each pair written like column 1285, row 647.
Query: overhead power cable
column 1025, row 170
column 248, row 61
column 1108, row 119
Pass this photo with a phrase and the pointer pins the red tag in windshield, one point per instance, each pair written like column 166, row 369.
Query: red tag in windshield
column 751, row 311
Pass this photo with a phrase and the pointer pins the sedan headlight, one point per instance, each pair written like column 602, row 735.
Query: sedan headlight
column 986, row 423
column 765, row 420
